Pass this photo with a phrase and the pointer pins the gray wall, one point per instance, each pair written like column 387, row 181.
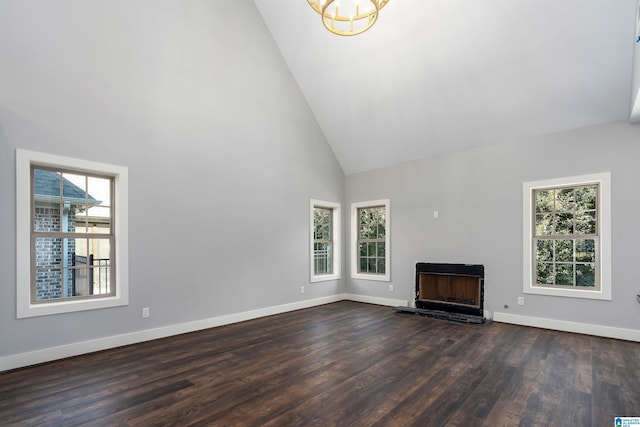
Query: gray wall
column 478, row 195
column 224, row 155
column 222, row 150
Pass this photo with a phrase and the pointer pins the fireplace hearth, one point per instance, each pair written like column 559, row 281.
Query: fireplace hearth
column 449, row 291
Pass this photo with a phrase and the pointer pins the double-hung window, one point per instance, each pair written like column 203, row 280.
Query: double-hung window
column 370, row 235
column 325, row 241
column 567, row 229
column 71, row 235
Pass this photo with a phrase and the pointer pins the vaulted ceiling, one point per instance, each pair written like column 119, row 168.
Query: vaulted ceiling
column 439, row 76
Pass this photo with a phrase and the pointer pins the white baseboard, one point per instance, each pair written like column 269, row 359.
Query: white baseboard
column 566, row 326
column 74, row 349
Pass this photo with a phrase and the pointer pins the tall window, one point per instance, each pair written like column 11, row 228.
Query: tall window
column 322, row 241
column 72, row 234
column 568, row 223
column 325, row 241
column 566, row 236
column 370, row 237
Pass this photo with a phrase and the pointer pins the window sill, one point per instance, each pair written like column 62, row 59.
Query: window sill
column 375, row 277
column 571, row 293
column 324, row 278
column 34, row 310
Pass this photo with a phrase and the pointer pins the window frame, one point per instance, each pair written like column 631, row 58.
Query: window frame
column 603, row 252
column 25, row 159
column 355, row 274
column 336, row 233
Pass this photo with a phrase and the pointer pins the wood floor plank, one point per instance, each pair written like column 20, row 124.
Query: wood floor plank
column 341, row 364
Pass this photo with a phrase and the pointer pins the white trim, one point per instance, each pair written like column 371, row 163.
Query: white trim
column 20, row 360
column 336, row 237
column 566, row 326
column 74, row 349
column 24, row 307
column 354, row 241
column 604, row 224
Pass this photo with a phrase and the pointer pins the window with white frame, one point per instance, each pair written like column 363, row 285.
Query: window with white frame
column 72, row 234
column 370, row 237
column 567, row 237
column 325, row 241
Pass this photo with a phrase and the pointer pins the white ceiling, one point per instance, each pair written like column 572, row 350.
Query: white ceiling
column 438, row 76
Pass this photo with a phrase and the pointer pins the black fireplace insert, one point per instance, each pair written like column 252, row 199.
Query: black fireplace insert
column 451, row 288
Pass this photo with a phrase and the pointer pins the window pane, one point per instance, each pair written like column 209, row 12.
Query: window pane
column 99, row 189
column 544, row 273
column 544, row 201
column 46, row 200
column 564, row 223
column 326, row 232
column 381, row 231
column 80, row 281
column 585, row 275
column 74, row 188
column 381, row 249
column 371, row 249
column 100, row 248
column 565, row 200
column 564, row 250
column 586, row 197
column 321, row 223
column 371, row 265
column 544, row 224
column 363, row 249
column 564, row 274
column 77, row 219
column 364, row 231
column 544, row 250
column 46, row 217
column 370, row 219
column 586, row 222
column 99, row 217
column 585, row 250
column 69, row 251
column 48, row 284
column 48, row 252
column 322, row 258
column 381, row 265
column 100, row 278
column 100, row 274
column 81, row 247
column 363, row 265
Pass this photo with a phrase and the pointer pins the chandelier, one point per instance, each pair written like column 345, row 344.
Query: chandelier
column 348, row 17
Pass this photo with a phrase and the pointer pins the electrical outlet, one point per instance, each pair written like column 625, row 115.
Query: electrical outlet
column 145, row 312
column 436, row 214
column 302, row 289
column 390, row 288
column 520, row 300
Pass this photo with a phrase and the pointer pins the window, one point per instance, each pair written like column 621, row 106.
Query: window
column 567, row 229
column 370, row 235
column 71, row 244
column 325, row 241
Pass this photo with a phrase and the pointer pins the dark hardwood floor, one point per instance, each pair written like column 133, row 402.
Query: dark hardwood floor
column 342, row 364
